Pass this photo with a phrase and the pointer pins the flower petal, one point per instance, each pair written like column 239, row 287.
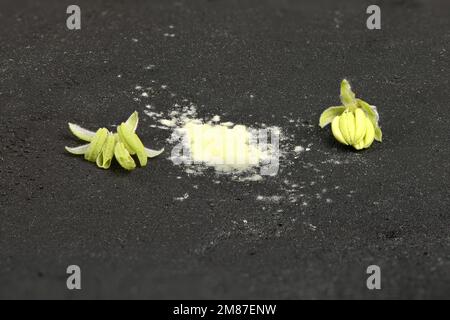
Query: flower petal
column 96, row 145
column 133, row 121
column 153, row 153
column 133, row 142
column 347, row 126
column 123, row 157
column 360, row 125
column 105, row 157
column 78, row 150
column 370, row 134
column 122, row 138
column 336, row 131
column 81, row 133
column 329, row 114
column 373, row 115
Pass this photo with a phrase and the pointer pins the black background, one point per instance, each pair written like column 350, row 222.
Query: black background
column 126, row 231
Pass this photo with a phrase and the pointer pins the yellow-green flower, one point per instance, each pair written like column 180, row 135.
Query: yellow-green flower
column 355, row 123
column 103, row 145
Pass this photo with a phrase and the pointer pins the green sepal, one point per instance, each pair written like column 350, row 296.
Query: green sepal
column 78, row 150
column 81, row 133
column 347, row 95
column 133, row 121
column 329, row 114
column 153, row 153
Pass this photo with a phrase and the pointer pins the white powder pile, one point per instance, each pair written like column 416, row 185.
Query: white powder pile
column 226, row 147
column 246, row 152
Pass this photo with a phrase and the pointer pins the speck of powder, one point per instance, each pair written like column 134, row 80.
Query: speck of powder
column 255, row 177
column 275, row 198
column 144, row 94
column 168, row 123
column 299, row 149
column 184, row 197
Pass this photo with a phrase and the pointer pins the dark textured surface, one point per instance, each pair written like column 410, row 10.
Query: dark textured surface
column 126, row 232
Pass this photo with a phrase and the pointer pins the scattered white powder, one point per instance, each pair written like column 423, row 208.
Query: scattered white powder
column 200, row 143
column 227, row 147
column 255, row 177
column 299, row 149
column 275, row 198
column 184, row 197
column 227, row 124
column 168, row 123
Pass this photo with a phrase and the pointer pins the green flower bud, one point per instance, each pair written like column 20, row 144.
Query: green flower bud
column 355, row 123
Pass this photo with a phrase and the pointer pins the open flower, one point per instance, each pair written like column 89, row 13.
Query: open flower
column 355, row 123
column 103, row 145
